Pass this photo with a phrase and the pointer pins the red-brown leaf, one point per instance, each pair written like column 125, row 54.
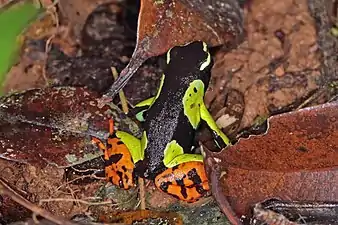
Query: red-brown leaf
column 165, row 24
column 297, row 159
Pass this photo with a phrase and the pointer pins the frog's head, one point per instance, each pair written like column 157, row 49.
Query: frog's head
column 191, row 60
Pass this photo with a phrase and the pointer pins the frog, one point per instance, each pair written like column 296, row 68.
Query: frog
column 166, row 151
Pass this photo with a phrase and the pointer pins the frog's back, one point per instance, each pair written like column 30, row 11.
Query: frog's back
column 165, row 119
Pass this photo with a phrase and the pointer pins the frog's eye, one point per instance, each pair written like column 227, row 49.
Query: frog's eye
column 192, row 100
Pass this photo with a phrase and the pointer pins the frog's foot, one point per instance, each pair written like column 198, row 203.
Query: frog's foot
column 186, row 181
column 119, row 166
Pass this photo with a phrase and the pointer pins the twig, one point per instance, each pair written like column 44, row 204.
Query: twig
column 121, row 93
column 142, row 193
column 52, row 11
column 79, row 178
column 74, row 200
column 7, row 190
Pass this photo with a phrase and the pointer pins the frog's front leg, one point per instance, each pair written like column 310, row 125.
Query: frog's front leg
column 195, row 109
column 185, row 177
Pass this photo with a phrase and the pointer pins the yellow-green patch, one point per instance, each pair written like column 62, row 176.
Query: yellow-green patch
column 146, row 102
column 14, row 18
column 144, row 142
column 150, row 101
column 185, row 158
column 168, row 56
column 192, row 100
column 174, row 155
column 172, row 150
column 133, row 144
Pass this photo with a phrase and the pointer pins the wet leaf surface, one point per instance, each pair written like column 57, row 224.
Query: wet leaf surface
column 295, row 160
column 164, row 24
column 55, row 125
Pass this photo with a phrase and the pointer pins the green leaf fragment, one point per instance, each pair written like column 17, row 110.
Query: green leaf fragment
column 13, row 20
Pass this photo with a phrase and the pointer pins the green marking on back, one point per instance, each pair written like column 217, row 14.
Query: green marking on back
column 149, row 102
column 168, row 56
column 159, row 89
column 133, row 144
column 192, row 100
column 144, row 142
column 174, row 155
column 146, row 102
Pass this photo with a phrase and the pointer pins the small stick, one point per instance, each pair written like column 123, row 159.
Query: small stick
column 126, row 110
column 121, row 93
column 142, row 193
column 75, row 200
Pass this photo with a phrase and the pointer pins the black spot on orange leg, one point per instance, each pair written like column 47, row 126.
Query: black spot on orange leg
column 121, row 171
column 187, row 181
column 119, row 166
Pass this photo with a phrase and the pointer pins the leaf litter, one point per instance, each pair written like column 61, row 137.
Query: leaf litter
column 261, row 83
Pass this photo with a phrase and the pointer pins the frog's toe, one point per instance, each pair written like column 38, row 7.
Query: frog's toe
column 186, row 181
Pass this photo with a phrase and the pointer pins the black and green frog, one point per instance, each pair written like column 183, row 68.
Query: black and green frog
column 165, row 152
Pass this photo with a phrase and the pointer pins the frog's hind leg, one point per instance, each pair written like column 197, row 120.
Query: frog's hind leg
column 98, row 142
column 185, row 177
column 186, row 181
column 119, row 166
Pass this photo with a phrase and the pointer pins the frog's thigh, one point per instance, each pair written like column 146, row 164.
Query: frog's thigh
column 186, row 181
column 119, row 167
